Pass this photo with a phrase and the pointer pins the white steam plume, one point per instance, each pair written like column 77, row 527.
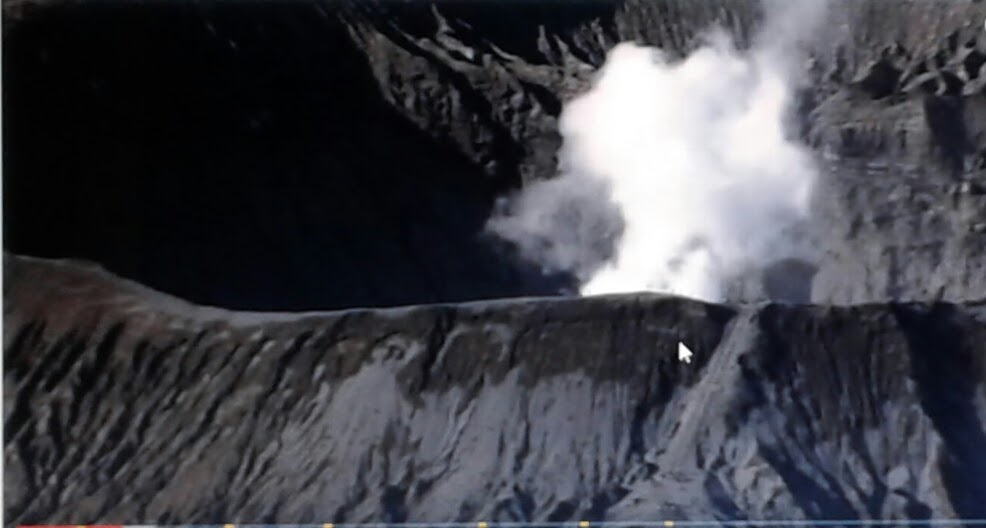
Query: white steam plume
column 676, row 176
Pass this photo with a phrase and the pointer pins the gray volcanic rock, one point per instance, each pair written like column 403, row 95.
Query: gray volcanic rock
column 895, row 108
column 125, row 405
column 310, row 155
column 329, row 155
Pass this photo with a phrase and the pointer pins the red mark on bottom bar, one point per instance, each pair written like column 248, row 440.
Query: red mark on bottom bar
column 70, row 526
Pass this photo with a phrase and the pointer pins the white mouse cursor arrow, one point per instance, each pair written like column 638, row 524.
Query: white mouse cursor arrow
column 684, row 354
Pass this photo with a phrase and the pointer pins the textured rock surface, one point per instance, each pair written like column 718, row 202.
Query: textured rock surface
column 295, row 155
column 126, row 405
column 312, row 156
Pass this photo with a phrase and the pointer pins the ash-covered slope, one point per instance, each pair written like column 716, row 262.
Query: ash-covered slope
column 125, row 405
column 303, row 155
column 311, row 155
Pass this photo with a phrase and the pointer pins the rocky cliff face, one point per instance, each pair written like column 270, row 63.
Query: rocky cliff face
column 126, row 405
column 311, row 155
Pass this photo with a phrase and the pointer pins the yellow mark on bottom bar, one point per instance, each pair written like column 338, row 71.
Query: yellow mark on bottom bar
column 327, row 525
column 229, row 526
column 481, row 524
column 583, row 524
column 668, row 523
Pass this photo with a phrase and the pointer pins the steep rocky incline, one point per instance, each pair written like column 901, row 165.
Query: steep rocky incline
column 895, row 108
column 498, row 71
column 329, row 155
column 123, row 404
column 335, row 154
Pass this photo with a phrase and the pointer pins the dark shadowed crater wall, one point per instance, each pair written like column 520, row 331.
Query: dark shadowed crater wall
column 298, row 155
column 239, row 155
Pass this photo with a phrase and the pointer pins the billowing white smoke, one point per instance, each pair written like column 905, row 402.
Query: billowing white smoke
column 676, row 176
